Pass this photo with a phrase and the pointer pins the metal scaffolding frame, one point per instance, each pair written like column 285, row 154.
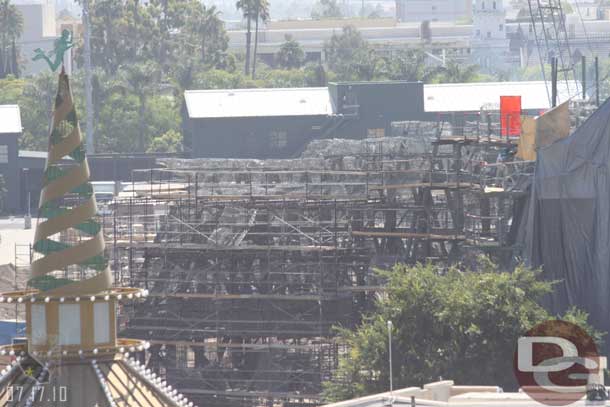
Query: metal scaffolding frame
column 249, row 269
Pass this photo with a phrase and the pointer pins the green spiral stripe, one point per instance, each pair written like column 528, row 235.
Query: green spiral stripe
column 73, row 211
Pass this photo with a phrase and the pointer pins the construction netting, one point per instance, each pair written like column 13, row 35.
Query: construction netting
column 568, row 222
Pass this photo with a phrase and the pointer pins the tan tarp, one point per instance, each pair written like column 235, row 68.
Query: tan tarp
column 527, row 140
column 544, row 130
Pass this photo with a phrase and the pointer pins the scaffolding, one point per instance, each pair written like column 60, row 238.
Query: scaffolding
column 251, row 264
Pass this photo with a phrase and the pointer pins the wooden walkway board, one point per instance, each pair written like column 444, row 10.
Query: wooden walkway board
column 408, row 235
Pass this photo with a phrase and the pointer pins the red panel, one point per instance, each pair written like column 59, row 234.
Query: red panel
column 510, row 115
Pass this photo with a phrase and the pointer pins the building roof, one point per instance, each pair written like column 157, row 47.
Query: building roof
column 258, row 102
column 447, row 394
column 10, row 119
column 438, row 98
column 471, row 97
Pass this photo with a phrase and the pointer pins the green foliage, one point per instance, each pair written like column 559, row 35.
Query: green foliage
column 343, row 51
column 350, row 58
column 461, row 325
column 170, row 142
column 163, row 31
column 252, row 10
column 454, row 72
column 290, row 55
column 11, row 89
column 119, row 127
column 326, row 9
column 407, row 65
column 3, row 195
column 11, row 28
column 36, row 105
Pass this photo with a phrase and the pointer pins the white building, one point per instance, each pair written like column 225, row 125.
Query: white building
column 489, row 45
column 587, row 9
column 38, row 31
column 447, row 394
column 433, row 10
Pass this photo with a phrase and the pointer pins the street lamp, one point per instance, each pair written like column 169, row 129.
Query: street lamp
column 390, row 355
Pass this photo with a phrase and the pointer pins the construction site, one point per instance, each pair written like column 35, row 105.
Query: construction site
column 250, row 264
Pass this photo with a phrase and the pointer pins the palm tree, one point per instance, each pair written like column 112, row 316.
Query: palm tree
column 261, row 8
column 11, row 27
column 211, row 24
column 247, row 8
column 455, row 72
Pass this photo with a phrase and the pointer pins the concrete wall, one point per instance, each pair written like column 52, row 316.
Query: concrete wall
column 432, row 10
column 314, row 38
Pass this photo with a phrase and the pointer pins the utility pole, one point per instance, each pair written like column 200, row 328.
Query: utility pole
column 597, row 81
column 88, row 87
column 554, row 82
column 584, row 77
column 390, row 357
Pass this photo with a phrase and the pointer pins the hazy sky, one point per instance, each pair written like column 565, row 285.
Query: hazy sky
column 280, row 9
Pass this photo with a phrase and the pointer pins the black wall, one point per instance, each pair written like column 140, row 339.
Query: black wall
column 377, row 105
column 9, row 169
column 103, row 167
column 253, row 137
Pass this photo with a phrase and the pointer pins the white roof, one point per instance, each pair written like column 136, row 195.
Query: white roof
column 258, row 102
column 471, row 97
column 10, row 119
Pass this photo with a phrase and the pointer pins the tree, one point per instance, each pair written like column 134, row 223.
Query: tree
column 108, row 43
column 407, row 65
column 11, row 27
column 458, row 324
column 137, row 80
column 290, row 55
column 261, row 8
column 455, row 72
column 349, row 55
column 36, row 103
column 11, row 89
column 326, row 9
column 170, row 142
column 248, row 10
column 205, row 27
column 315, row 75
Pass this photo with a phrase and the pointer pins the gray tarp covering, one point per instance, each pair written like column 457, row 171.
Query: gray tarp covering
column 568, row 226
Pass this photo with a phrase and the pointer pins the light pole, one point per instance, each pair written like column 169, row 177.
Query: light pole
column 390, row 355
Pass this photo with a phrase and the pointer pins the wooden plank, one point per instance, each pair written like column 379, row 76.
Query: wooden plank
column 212, row 296
column 407, row 235
column 432, row 185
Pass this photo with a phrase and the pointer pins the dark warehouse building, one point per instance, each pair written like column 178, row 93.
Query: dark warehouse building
column 277, row 123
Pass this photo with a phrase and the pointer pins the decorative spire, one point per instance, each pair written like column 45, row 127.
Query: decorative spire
column 69, row 238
